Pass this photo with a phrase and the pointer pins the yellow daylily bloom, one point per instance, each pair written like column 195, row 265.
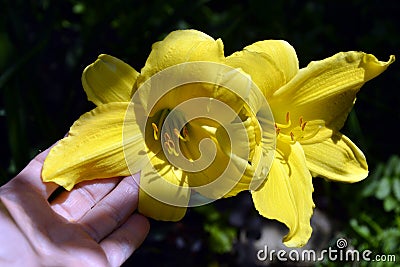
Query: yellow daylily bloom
column 310, row 106
column 151, row 133
column 179, row 139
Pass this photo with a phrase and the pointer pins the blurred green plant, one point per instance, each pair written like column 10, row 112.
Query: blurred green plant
column 374, row 221
column 379, row 230
column 221, row 235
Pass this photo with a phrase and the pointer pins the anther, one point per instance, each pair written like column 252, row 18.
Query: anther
column 185, row 132
column 279, row 126
column 170, row 144
column 167, row 136
column 303, row 125
column 292, row 136
column 301, row 121
column 155, row 130
column 287, row 117
column 178, row 134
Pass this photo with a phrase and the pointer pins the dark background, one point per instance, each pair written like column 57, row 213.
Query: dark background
column 45, row 45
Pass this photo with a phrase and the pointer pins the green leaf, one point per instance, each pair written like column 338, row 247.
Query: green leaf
column 362, row 230
column 390, row 203
column 391, row 165
column 383, row 189
column 370, row 188
column 221, row 239
column 397, row 170
column 396, row 188
column 390, row 240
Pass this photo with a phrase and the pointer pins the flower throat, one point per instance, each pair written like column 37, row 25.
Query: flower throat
column 169, row 129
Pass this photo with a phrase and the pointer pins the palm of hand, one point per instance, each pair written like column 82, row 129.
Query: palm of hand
column 93, row 225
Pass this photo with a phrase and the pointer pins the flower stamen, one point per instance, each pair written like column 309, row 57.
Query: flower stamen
column 292, row 136
column 277, row 129
column 303, row 125
column 170, row 144
column 287, row 124
column 155, row 131
column 185, row 133
column 296, row 133
column 184, row 136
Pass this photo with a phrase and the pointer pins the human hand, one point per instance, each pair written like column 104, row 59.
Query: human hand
column 92, row 225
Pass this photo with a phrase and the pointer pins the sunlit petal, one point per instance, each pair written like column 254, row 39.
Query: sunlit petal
column 164, row 194
column 108, row 80
column 287, row 194
column 271, row 64
column 93, row 148
column 179, row 47
column 336, row 158
column 326, row 90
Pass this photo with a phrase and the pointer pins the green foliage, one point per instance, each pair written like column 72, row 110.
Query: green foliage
column 373, row 216
column 376, row 225
column 221, row 235
column 385, row 181
column 381, row 234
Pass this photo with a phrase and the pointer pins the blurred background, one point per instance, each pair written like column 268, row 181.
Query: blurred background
column 45, row 45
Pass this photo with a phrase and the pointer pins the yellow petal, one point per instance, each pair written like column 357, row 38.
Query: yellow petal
column 336, row 158
column 209, row 170
column 271, row 64
column 179, row 47
column 326, row 89
column 287, row 194
column 190, row 82
column 164, row 194
column 93, row 148
column 108, row 80
column 241, row 142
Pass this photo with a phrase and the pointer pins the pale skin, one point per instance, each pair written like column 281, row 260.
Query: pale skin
column 95, row 224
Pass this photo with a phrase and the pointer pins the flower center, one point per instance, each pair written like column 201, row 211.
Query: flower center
column 293, row 133
column 170, row 131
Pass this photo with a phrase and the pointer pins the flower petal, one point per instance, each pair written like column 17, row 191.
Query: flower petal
column 249, row 152
column 164, row 194
column 326, row 89
column 108, row 80
column 287, row 194
column 270, row 63
column 179, row 47
column 336, row 158
column 210, row 171
column 93, row 148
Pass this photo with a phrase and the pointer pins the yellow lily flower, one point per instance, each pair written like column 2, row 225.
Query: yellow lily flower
column 310, row 106
column 120, row 137
column 175, row 123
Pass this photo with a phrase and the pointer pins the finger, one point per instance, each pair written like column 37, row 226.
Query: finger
column 73, row 205
column 112, row 210
column 30, row 177
column 120, row 245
